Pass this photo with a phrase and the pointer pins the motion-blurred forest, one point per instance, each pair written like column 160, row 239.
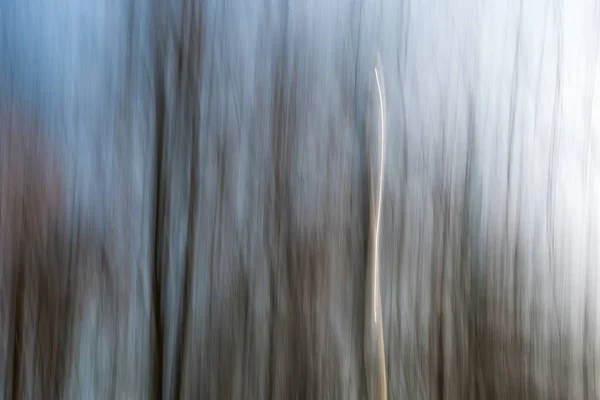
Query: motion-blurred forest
column 185, row 198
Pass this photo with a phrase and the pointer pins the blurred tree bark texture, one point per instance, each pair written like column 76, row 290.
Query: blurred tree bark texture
column 184, row 202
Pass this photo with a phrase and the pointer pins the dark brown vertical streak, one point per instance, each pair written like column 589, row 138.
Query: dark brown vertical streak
column 189, row 263
column 587, row 337
column 158, row 226
column 247, row 332
column 279, row 197
column 555, row 133
column 441, row 216
column 17, row 335
column 192, row 60
column 366, row 179
column 467, row 240
column 586, row 332
column 402, row 68
column 516, row 252
column 445, row 214
column 512, row 127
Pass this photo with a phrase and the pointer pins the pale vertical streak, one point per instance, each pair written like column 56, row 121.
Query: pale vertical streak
column 376, row 294
column 374, row 341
